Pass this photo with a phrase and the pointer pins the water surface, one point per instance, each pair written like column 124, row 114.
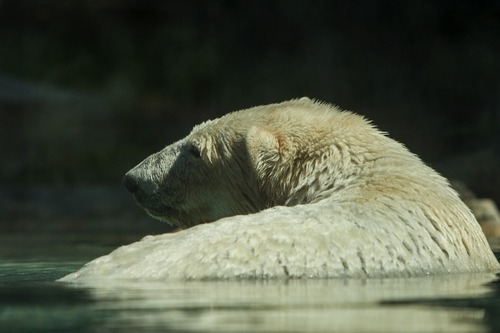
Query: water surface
column 30, row 300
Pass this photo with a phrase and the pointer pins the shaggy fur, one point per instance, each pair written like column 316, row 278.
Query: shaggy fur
column 320, row 193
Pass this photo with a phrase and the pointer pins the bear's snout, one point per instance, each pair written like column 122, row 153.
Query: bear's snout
column 130, row 182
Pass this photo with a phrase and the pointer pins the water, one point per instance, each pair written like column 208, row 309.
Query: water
column 30, row 300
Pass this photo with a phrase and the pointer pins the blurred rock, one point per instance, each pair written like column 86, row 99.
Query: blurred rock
column 486, row 213
column 479, row 169
column 485, row 210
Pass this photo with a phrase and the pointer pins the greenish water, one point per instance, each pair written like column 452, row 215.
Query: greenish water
column 30, row 300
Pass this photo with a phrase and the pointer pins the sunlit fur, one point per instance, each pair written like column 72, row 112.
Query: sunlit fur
column 299, row 189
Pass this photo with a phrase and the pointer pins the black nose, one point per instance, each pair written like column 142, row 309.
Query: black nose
column 130, row 183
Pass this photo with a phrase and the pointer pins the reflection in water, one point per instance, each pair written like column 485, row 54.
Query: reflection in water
column 31, row 301
column 489, row 303
column 293, row 306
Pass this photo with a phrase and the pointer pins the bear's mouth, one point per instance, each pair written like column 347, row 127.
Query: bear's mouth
column 159, row 211
column 156, row 215
column 153, row 206
column 167, row 214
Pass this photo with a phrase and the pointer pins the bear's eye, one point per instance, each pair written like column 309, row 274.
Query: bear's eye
column 194, row 151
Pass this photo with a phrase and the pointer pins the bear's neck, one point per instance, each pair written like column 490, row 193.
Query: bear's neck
column 318, row 180
column 338, row 172
column 307, row 179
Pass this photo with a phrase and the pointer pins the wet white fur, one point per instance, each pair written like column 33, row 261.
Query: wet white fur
column 321, row 193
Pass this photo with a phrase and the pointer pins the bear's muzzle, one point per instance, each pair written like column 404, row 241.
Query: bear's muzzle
column 130, row 183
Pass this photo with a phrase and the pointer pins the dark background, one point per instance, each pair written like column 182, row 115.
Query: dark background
column 89, row 88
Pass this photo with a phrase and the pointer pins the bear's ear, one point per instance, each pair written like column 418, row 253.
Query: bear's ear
column 265, row 146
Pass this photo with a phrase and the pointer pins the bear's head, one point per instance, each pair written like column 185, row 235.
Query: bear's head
column 291, row 153
column 199, row 179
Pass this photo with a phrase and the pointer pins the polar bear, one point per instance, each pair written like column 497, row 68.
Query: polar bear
column 298, row 189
